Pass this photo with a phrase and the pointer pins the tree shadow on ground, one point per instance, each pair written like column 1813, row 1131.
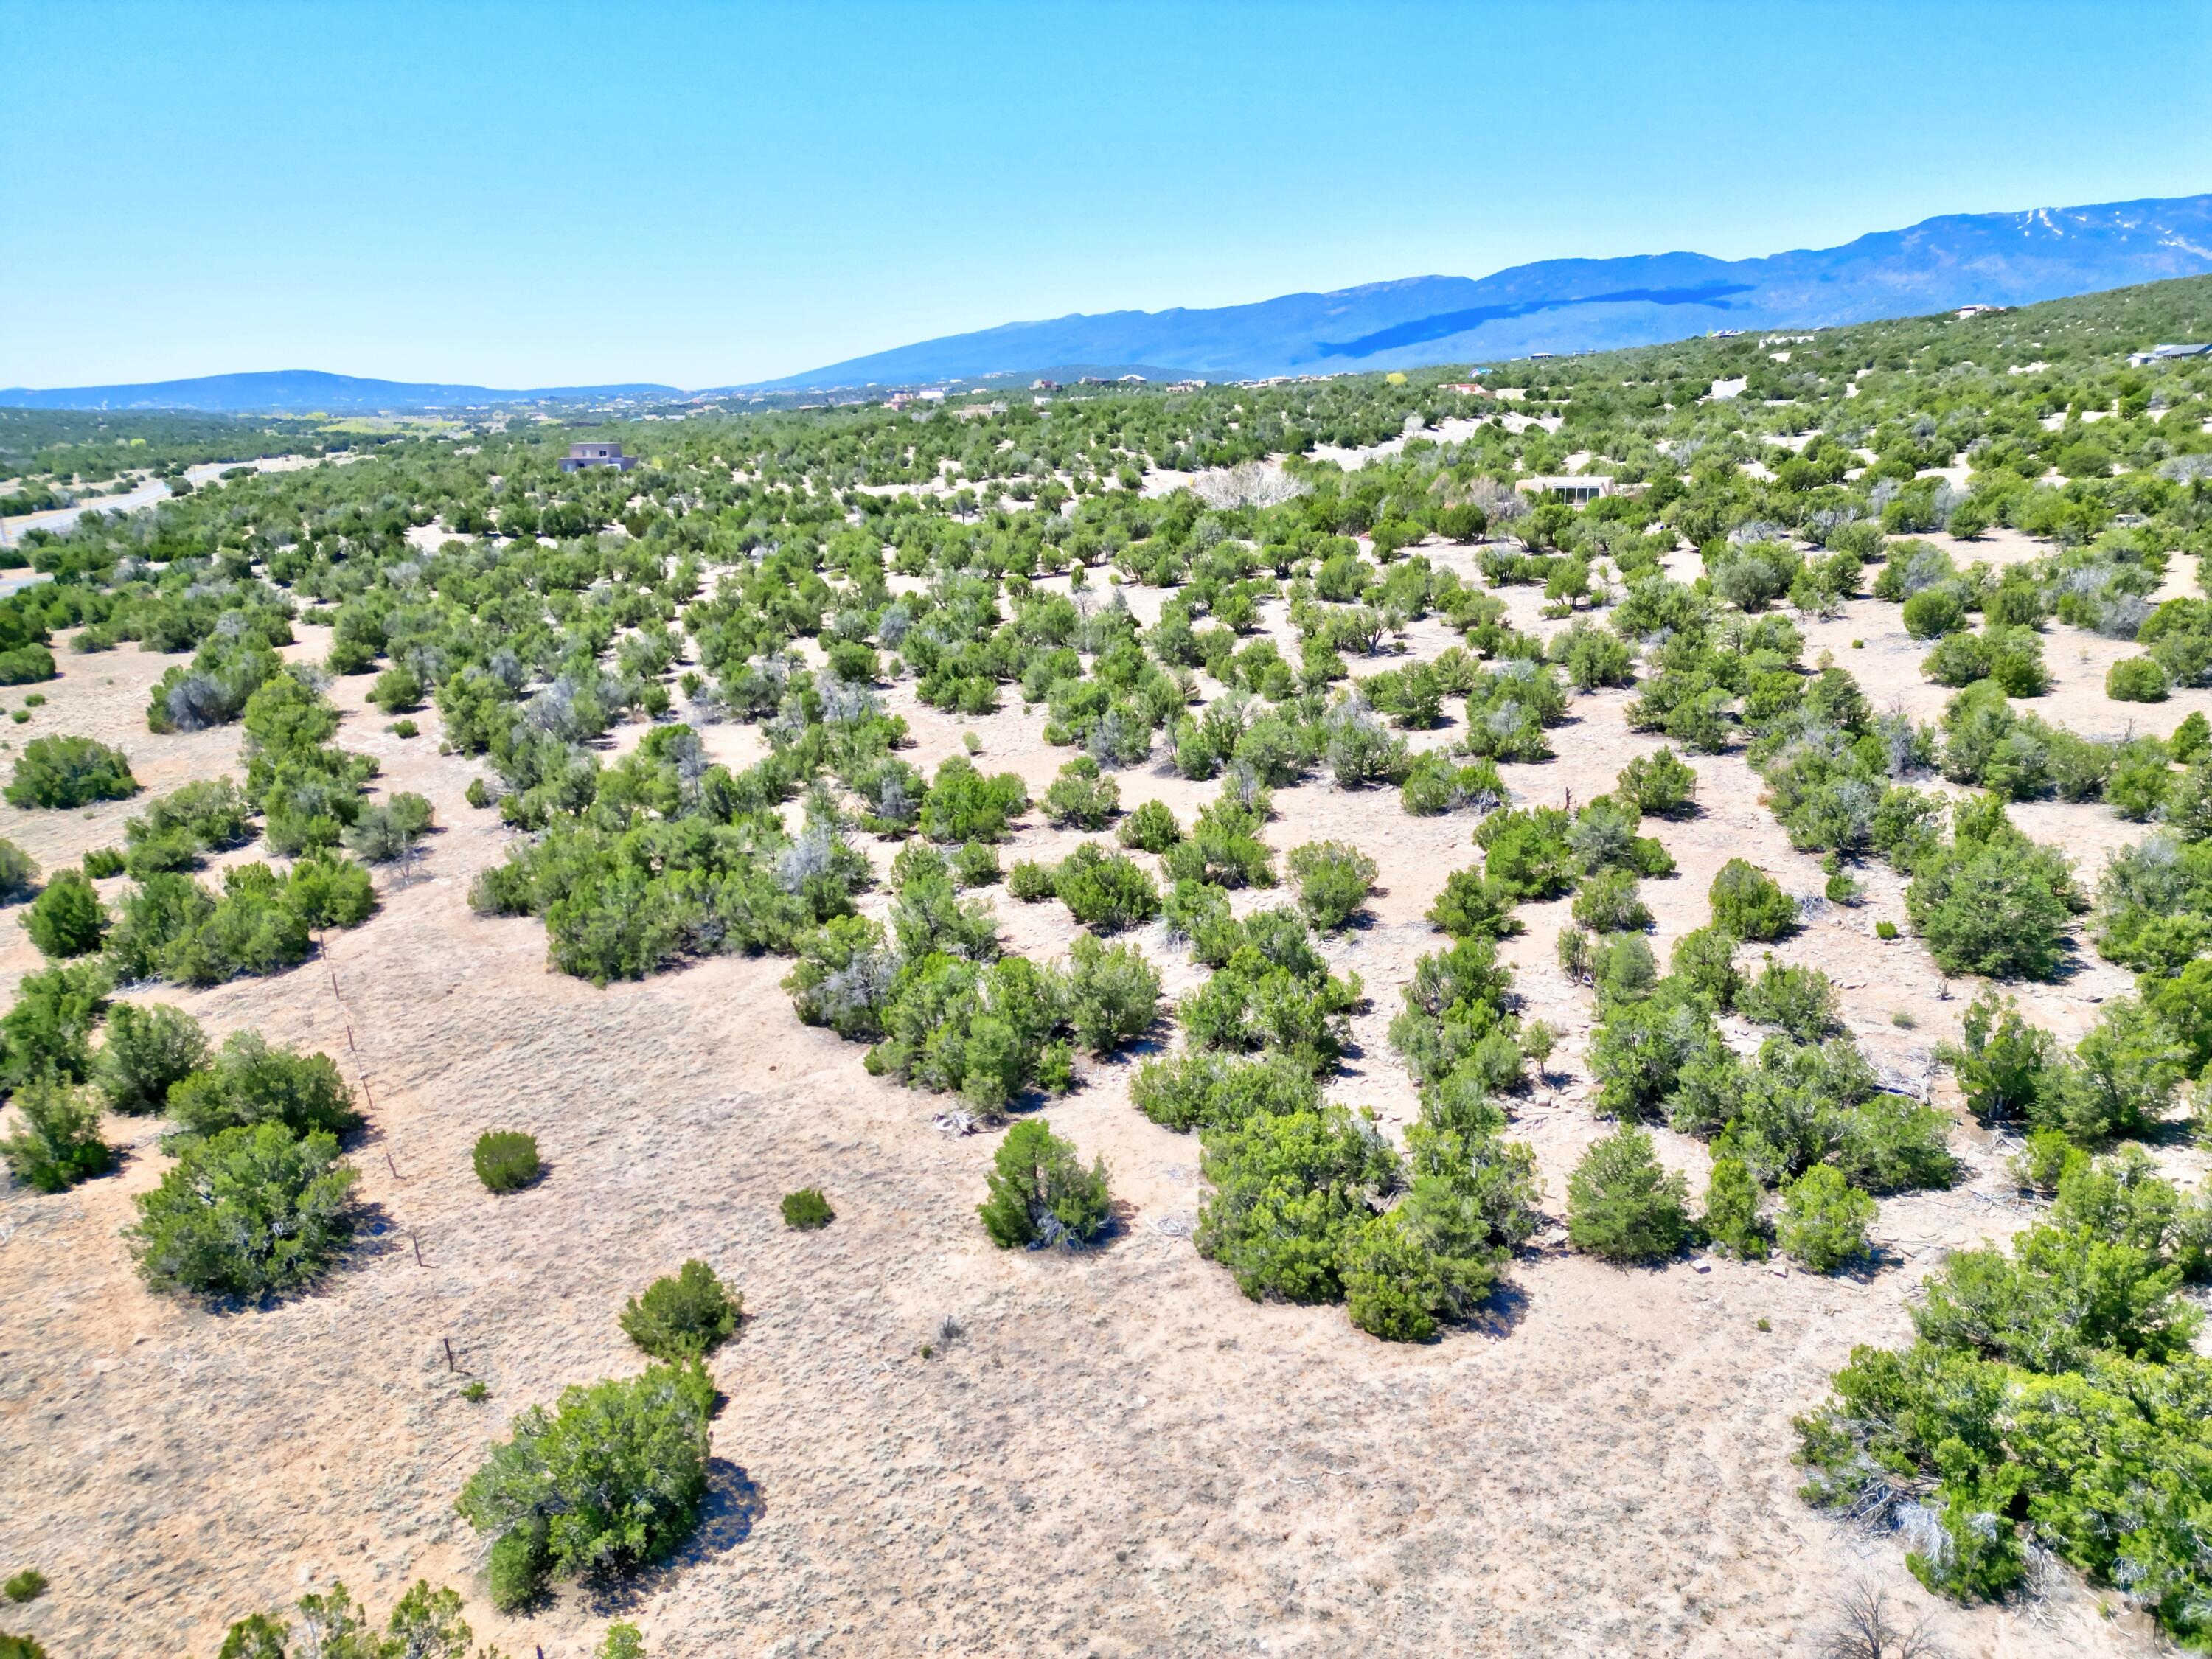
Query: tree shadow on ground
column 733, row 1506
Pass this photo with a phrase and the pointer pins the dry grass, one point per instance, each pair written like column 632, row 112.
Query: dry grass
column 1116, row 1455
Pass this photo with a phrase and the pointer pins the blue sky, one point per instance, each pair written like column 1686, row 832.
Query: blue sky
column 520, row 194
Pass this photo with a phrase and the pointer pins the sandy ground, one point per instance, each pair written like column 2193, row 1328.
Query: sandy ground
column 1116, row 1454
column 145, row 494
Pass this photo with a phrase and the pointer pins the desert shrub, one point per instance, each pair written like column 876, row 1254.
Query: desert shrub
column 1113, row 994
column 623, row 1640
column 28, row 1585
column 1472, row 906
column 1288, row 1189
column 1223, row 848
column 1197, row 1089
column 1731, row 1220
column 58, row 1143
column 1151, row 828
column 1434, row 785
column 506, row 1160
column 806, row 1210
column 1749, row 904
column 19, row 873
column 2136, row 679
column 1800, row 1000
column 251, row 1213
column 1333, row 879
column 686, row 1315
column 2048, row 1398
column 976, row 865
column 1271, row 991
column 610, row 1479
column 251, row 1083
column 1934, row 612
column 1040, row 1193
column 208, row 815
column 150, row 1047
column 1031, row 882
column 383, row 832
column 2009, row 658
column 1823, row 1220
column 1661, row 785
column 1082, row 795
column 21, row 1647
column 48, row 1031
column 1638, row 1054
column 1526, row 853
column 963, row 804
column 1622, row 1206
column 397, row 690
column 1607, row 903
column 69, row 772
column 1993, row 902
column 1704, row 959
column 1104, row 891
column 67, row 918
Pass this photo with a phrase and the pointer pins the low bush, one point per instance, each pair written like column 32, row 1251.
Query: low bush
column 149, row 1048
column 2136, row 679
column 1661, row 785
column 250, row 1083
column 1113, row 994
column 506, row 1160
column 1823, row 1219
column 686, row 1315
column 47, row 1033
column 61, row 773
column 1802, row 1001
column 67, row 918
column 58, row 1143
column 1039, row 1193
column 806, row 1210
column 1082, row 796
column 210, row 815
column 610, row 1479
column 1748, row 904
column 383, row 832
column 19, row 873
column 1107, row 891
column 1472, row 906
column 1332, row 880
column 251, row 1213
column 28, row 1585
column 1607, row 903
column 1731, row 1220
column 1151, row 828
column 1622, row 1206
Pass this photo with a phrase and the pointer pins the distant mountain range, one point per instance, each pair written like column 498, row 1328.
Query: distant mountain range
column 1576, row 304
column 308, row 390
column 1554, row 306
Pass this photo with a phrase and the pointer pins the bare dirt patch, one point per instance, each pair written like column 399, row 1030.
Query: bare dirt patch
column 1112, row 1453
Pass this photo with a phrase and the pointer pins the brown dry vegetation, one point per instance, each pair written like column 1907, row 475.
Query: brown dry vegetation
column 1110, row 1453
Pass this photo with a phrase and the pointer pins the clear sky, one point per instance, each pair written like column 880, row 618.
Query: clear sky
column 700, row 194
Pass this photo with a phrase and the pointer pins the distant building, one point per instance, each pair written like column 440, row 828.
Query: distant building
column 1724, row 334
column 1469, row 389
column 1965, row 312
column 1576, row 490
column 581, row 456
column 1188, row 386
column 2166, row 354
column 1044, row 385
column 1133, row 380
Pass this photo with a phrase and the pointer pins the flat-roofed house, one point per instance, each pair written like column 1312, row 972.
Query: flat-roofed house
column 1576, row 490
column 581, row 456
